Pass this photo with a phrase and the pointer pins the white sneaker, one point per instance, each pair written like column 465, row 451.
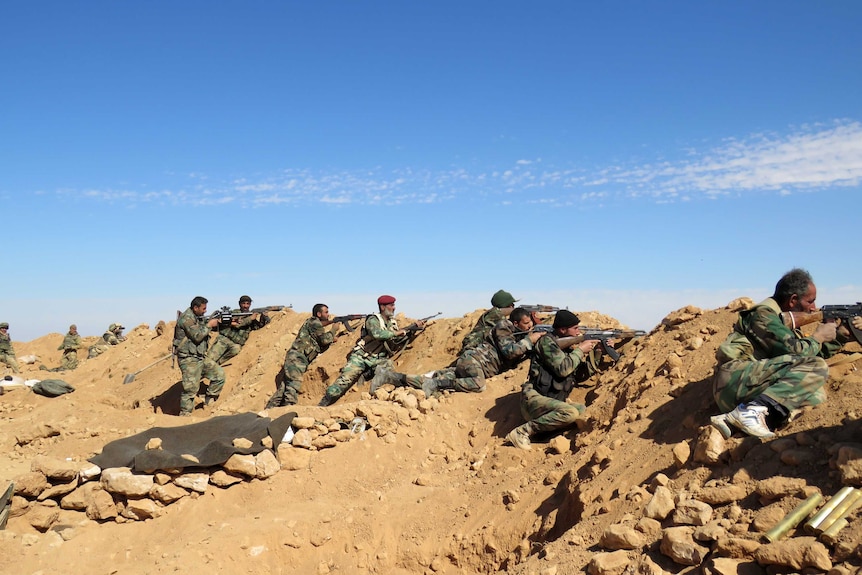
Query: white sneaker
column 750, row 419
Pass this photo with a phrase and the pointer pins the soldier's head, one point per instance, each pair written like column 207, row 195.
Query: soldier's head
column 320, row 311
column 118, row 327
column 386, row 305
column 245, row 303
column 73, row 329
column 566, row 323
column 199, row 305
column 795, row 291
column 522, row 319
column 4, row 326
column 503, row 300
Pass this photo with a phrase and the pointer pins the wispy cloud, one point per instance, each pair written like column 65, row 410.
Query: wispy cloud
column 804, row 159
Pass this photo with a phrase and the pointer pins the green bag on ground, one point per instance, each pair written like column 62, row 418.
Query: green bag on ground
column 52, row 387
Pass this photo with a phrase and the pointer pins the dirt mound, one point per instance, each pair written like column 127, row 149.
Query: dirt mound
column 433, row 490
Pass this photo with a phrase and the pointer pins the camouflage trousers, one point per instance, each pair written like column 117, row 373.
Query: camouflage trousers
column 791, row 380
column 546, row 413
column 357, row 364
column 194, row 369
column 295, row 366
column 223, row 350
column 467, row 375
column 9, row 359
column 70, row 359
column 96, row 350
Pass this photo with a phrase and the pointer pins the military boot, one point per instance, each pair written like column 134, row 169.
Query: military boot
column 520, row 436
column 431, row 385
column 327, row 400
column 276, row 399
column 382, row 376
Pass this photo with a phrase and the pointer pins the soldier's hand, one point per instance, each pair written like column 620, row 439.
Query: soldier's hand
column 535, row 335
column 857, row 322
column 420, row 324
column 588, row 345
column 825, row 332
column 213, row 323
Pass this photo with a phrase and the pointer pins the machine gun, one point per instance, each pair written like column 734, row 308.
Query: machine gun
column 595, row 333
column 226, row 315
column 539, row 308
column 844, row 312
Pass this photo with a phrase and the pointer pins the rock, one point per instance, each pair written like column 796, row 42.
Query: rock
column 100, row 505
column 168, row 493
column 660, row 505
column 57, row 491
column 266, row 464
column 222, row 478
column 323, row 442
column 722, row 495
column 31, row 484
column 621, row 537
column 301, row 438
column 778, row 487
column 681, row 454
column 728, row 566
column 692, row 512
column 122, row 481
column 613, row 563
column 678, row 544
column 767, row 517
column 41, row 517
column 712, row 531
column 193, row 481
column 241, row 465
column 302, row 423
column 154, row 444
column 19, row 507
column 56, row 469
column 242, row 443
column 796, row 553
column 849, row 463
column 710, row 446
column 38, row 431
column 560, row 445
column 140, row 509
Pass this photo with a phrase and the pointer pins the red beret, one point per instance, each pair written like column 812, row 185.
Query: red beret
column 385, row 300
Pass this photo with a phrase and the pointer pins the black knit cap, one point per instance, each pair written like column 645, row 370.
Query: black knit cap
column 564, row 319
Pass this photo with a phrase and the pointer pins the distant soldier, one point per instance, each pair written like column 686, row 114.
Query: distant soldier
column 191, row 340
column 505, row 347
column 503, row 303
column 7, row 352
column 113, row 336
column 378, row 342
column 70, row 346
column 311, row 341
column 230, row 340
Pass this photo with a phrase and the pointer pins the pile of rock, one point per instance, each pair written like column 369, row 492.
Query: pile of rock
column 119, row 494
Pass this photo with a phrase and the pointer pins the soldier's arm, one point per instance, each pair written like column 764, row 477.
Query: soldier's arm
column 510, row 348
column 375, row 330
column 558, row 362
column 765, row 326
column 324, row 338
column 196, row 331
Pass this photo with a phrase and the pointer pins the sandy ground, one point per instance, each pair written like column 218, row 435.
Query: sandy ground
column 440, row 493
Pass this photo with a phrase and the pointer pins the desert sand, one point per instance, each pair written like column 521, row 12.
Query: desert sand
column 430, row 486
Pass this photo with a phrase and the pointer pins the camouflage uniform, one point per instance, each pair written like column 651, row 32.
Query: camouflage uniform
column 553, row 375
column 7, row 353
column 70, row 346
column 501, row 351
column 191, row 339
column 311, row 341
column 482, row 329
column 762, row 356
column 109, row 338
column 230, row 340
column 373, row 349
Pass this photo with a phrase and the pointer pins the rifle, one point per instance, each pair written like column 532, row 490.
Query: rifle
column 414, row 327
column 344, row 320
column 400, row 343
column 594, row 333
column 539, row 308
column 226, row 316
column 844, row 312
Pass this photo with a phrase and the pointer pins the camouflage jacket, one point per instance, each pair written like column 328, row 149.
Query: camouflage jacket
column 245, row 325
column 759, row 333
column 502, row 350
column 376, row 335
column 312, row 339
column 110, row 337
column 71, row 342
column 191, row 336
column 554, row 372
column 482, row 329
column 6, row 344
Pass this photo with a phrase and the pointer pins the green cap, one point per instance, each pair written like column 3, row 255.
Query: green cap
column 502, row 299
column 4, row 324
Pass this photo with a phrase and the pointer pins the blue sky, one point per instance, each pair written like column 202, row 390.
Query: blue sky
column 628, row 157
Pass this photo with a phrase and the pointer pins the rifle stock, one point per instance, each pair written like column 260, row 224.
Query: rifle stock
column 845, row 312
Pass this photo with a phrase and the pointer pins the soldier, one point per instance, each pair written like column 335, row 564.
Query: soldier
column 767, row 370
column 502, row 304
column 70, row 346
column 191, row 339
column 556, row 366
column 311, row 341
column 7, row 352
column 113, row 336
column 507, row 345
column 379, row 341
column 231, row 339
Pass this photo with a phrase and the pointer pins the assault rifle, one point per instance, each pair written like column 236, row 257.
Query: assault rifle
column 399, row 343
column 844, row 312
column 345, row 320
column 595, row 333
column 414, row 327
